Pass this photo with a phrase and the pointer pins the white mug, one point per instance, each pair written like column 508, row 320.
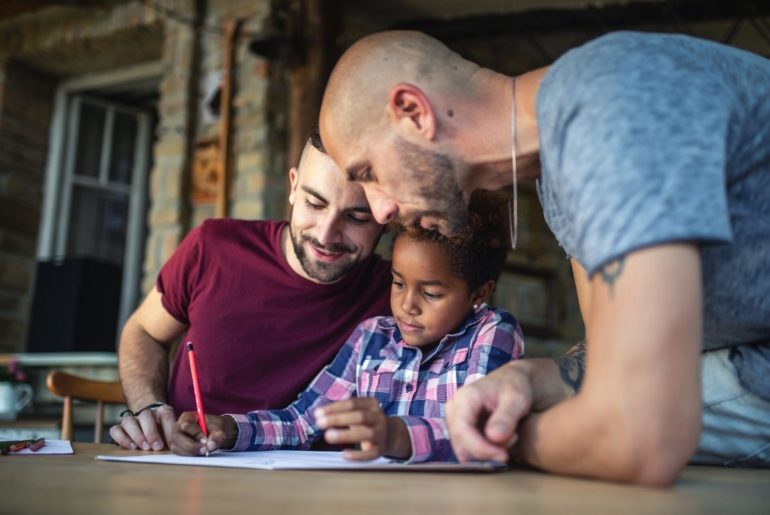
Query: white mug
column 13, row 398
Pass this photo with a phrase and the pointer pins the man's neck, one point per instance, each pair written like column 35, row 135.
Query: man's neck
column 489, row 144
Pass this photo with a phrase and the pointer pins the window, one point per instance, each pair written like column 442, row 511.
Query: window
column 96, row 184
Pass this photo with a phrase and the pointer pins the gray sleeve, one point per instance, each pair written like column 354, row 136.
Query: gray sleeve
column 633, row 145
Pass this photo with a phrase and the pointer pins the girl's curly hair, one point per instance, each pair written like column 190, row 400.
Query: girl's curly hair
column 478, row 253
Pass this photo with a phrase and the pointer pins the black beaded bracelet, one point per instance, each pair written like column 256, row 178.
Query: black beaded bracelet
column 151, row 407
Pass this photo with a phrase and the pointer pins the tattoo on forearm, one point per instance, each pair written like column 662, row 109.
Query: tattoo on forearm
column 611, row 272
column 572, row 366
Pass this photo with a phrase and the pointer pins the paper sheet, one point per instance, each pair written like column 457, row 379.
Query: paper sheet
column 297, row 460
column 50, row 447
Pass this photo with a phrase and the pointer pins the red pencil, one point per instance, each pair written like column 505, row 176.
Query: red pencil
column 197, row 389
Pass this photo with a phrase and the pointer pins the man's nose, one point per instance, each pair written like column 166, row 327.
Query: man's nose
column 383, row 209
column 328, row 229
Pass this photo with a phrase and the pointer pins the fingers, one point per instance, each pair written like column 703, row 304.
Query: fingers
column 366, row 437
column 500, row 428
column 129, row 434
column 166, row 419
column 119, row 435
column 368, row 452
column 187, row 438
column 463, row 413
column 368, row 413
column 350, row 435
column 218, row 438
column 357, row 403
column 149, row 428
column 355, row 421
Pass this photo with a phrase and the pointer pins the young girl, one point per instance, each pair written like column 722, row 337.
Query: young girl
column 387, row 388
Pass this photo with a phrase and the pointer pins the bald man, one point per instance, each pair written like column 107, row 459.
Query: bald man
column 652, row 156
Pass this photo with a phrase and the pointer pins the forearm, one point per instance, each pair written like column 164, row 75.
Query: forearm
column 637, row 414
column 143, row 365
column 602, row 439
column 546, row 379
column 586, row 448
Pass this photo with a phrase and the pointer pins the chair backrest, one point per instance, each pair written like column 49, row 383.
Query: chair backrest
column 71, row 387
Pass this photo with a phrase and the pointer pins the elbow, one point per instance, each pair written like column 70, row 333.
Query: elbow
column 657, row 456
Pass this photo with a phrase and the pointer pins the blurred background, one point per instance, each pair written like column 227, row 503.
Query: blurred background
column 124, row 124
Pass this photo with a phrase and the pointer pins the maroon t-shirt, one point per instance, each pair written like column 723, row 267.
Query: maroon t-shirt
column 260, row 331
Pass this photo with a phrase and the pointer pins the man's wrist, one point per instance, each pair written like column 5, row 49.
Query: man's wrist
column 148, row 407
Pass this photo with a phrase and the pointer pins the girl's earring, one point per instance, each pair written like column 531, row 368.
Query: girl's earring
column 475, row 306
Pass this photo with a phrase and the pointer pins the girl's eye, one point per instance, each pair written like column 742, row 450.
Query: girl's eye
column 313, row 206
column 398, row 284
column 431, row 296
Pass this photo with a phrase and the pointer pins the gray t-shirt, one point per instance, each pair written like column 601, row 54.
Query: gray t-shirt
column 649, row 138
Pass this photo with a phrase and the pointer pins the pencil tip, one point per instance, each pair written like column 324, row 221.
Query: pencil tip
column 189, row 346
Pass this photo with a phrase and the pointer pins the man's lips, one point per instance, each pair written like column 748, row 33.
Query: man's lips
column 325, row 255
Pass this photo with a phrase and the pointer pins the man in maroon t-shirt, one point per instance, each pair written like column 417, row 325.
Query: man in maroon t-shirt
column 266, row 305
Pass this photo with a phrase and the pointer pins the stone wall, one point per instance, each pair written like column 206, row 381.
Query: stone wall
column 258, row 156
column 39, row 49
column 43, row 47
column 25, row 109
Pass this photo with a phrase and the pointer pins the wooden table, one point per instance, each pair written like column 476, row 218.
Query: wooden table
column 79, row 484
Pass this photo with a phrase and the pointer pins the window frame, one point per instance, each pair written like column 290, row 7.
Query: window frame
column 57, row 193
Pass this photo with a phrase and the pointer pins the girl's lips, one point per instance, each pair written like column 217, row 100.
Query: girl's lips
column 406, row 327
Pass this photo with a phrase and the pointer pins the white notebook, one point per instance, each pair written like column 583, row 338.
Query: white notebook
column 297, row 460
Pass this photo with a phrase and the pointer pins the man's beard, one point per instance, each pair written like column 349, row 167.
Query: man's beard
column 433, row 175
column 318, row 270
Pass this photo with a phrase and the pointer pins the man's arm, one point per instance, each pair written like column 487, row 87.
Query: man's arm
column 637, row 415
column 143, row 365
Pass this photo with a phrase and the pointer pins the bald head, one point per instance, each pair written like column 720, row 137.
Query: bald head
column 358, row 89
column 400, row 116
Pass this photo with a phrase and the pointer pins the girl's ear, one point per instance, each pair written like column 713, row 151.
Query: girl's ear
column 483, row 292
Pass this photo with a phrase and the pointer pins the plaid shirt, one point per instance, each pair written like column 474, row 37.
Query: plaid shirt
column 375, row 362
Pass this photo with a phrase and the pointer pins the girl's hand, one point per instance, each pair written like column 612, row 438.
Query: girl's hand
column 188, row 439
column 361, row 421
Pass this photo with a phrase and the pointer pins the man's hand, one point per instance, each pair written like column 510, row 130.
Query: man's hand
column 149, row 431
column 362, row 421
column 189, row 440
column 483, row 416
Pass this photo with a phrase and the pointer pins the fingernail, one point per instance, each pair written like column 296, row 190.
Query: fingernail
column 203, row 441
column 331, row 433
column 145, row 446
column 157, row 446
column 132, row 446
column 321, row 421
column 499, row 428
column 203, row 450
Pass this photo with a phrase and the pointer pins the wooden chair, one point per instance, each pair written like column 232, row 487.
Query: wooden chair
column 71, row 387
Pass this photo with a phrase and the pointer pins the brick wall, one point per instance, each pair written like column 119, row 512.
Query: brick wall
column 258, row 172
column 25, row 109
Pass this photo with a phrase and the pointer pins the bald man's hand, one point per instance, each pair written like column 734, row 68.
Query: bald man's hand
column 483, row 416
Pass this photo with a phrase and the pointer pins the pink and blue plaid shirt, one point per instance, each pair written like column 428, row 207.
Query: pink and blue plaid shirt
column 375, row 362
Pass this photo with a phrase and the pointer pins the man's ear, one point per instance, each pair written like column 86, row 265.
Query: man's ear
column 293, row 180
column 410, row 109
column 483, row 292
